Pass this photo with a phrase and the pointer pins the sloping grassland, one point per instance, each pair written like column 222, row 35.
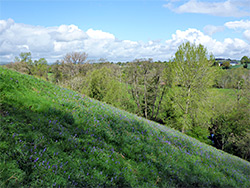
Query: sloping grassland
column 54, row 137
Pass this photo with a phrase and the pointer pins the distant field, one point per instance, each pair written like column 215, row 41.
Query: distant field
column 238, row 66
column 223, row 94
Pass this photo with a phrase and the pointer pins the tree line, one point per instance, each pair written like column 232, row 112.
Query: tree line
column 185, row 93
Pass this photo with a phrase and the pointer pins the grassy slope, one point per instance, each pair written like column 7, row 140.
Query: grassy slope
column 50, row 136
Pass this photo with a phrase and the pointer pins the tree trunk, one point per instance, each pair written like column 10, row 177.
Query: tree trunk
column 145, row 96
column 158, row 108
column 136, row 93
column 186, row 108
column 156, row 91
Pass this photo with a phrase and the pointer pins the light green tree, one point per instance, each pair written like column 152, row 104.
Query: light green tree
column 96, row 83
column 103, row 85
column 193, row 75
column 25, row 57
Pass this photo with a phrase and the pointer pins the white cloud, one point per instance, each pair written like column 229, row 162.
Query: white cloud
column 65, row 33
column 41, row 41
column 242, row 24
column 98, row 34
column 239, row 26
column 228, row 8
column 211, row 29
column 53, row 43
column 232, row 48
column 246, row 34
column 5, row 24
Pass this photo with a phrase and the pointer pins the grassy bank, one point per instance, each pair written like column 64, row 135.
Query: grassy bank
column 54, row 137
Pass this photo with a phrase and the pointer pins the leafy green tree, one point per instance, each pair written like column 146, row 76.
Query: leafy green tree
column 226, row 65
column 244, row 60
column 57, row 73
column 216, row 63
column 231, row 130
column 193, row 75
column 117, row 95
column 40, row 68
column 96, row 83
column 103, row 85
column 25, row 57
column 132, row 78
column 163, row 85
column 242, row 144
column 230, row 121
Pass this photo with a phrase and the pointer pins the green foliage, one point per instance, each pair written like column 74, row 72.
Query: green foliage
column 230, row 122
column 193, row 74
column 101, row 84
column 231, row 132
column 25, row 65
column 52, row 136
column 40, row 68
column 97, row 83
column 25, row 57
column 147, row 86
column 200, row 133
column 244, row 60
column 226, row 65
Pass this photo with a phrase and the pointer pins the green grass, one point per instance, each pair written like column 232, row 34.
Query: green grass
column 239, row 66
column 224, row 95
column 54, row 137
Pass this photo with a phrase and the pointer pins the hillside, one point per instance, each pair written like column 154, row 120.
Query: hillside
column 54, row 137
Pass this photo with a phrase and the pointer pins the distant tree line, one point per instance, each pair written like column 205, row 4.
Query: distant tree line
column 185, row 93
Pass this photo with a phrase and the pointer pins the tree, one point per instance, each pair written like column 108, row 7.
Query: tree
column 75, row 57
column 244, row 60
column 24, row 61
column 133, row 75
column 40, row 68
column 193, row 74
column 57, row 72
column 145, row 79
column 226, row 65
column 25, row 57
column 97, row 82
column 231, row 130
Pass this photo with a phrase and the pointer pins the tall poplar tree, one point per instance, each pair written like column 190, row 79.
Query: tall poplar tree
column 193, row 75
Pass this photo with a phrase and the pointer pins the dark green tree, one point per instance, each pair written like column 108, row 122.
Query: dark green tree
column 244, row 60
column 146, row 83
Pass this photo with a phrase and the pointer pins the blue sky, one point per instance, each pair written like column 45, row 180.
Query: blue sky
column 123, row 30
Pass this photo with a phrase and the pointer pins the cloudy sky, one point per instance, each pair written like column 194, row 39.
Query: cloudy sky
column 122, row 30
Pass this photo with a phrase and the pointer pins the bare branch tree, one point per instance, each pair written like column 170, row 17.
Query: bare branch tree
column 75, row 57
